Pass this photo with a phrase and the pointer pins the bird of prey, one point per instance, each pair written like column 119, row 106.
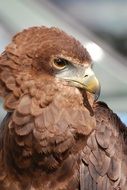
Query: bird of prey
column 56, row 134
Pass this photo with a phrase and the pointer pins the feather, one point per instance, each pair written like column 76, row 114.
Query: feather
column 24, row 105
column 55, row 136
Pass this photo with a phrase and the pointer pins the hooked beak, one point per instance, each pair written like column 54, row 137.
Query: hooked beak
column 83, row 78
column 88, row 82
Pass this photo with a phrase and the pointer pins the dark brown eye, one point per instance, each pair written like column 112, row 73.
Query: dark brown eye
column 59, row 63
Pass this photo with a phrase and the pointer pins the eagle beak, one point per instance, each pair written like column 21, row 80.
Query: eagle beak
column 83, row 78
column 89, row 82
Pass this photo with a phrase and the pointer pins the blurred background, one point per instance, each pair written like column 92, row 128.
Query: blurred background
column 100, row 25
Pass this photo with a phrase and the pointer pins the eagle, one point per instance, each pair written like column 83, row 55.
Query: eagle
column 56, row 134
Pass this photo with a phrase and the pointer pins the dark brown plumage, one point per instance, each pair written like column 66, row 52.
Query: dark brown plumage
column 55, row 136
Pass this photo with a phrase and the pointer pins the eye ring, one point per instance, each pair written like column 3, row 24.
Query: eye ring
column 59, row 63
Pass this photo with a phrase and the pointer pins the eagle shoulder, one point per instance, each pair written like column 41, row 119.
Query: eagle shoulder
column 104, row 158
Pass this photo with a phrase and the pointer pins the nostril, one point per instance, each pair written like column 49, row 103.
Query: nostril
column 86, row 76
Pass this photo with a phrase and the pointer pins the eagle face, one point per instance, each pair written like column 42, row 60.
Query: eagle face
column 80, row 76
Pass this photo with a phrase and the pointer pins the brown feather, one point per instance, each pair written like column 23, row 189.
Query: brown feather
column 106, row 151
column 53, row 136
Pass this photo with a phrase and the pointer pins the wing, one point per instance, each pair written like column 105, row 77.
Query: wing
column 104, row 162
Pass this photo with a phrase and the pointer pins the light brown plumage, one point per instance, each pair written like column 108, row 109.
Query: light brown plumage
column 54, row 135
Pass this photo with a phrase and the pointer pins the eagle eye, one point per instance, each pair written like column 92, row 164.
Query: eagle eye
column 60, row 63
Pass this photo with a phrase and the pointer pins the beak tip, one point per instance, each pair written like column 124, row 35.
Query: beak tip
column 94, row 87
